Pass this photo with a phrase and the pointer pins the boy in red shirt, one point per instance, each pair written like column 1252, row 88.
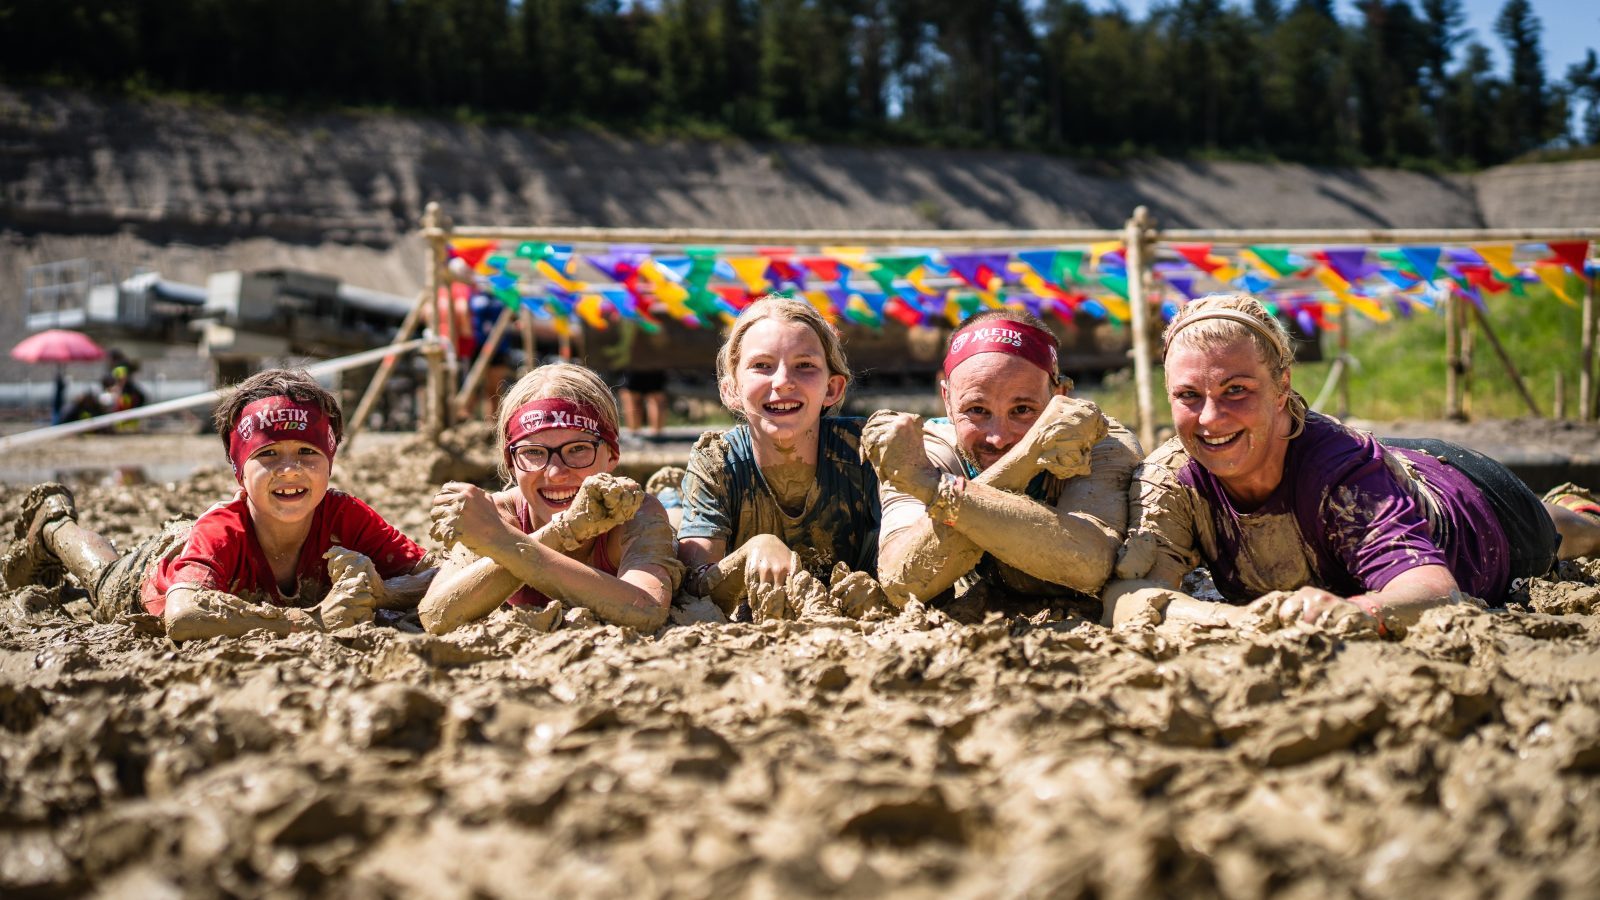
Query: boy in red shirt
column 285, row 554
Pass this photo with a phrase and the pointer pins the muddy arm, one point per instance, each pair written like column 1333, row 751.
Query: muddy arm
column 636, row 599
column 194, row 613
column 406, row 591
column 467, row 587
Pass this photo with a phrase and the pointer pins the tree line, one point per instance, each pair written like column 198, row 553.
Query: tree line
column 1398, row 84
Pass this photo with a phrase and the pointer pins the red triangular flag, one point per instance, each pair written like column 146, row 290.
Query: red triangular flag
column 1199, row 254
column 1572, row 254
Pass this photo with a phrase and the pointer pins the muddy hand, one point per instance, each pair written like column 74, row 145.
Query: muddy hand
column 767, row 560
column 1064, row 435
column 1137, row 556
column 344, row 563
column 1324, row 611
column 604, row 501
column 892, row 443
column 463, row 513
column 856, row 593
column 349, row 602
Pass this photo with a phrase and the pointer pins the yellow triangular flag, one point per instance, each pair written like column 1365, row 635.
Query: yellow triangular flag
column 854, row 257
column 752, row 270
column 1498, row 256
column 589, row 309
column 1554, row 276
column 1101, row 249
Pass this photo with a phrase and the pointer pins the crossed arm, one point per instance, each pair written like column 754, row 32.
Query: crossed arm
column 493, row 558
column 1072, row 543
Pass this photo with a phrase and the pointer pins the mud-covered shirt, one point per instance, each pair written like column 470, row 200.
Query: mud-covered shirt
column 223, row 553
column 726, row 498
column 1100, row 496
column 1348, row 516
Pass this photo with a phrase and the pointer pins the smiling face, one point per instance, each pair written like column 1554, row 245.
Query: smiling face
column 284, row 482
column 550, row 490
column 993, row 399
column 1230, row 415
column 781, row 382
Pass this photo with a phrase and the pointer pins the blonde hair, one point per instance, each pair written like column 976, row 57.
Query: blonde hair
column 1217, row 320
column 564, row 381
column 775, row 306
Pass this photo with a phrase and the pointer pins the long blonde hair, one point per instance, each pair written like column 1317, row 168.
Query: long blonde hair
column 1193, row 327
column 776, row 306
column 565, row 381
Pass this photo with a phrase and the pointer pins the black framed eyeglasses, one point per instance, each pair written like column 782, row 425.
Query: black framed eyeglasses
column 577, row 454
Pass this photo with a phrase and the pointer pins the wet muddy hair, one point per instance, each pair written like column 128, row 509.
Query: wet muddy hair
column 775, row 306
column 564, row 381
column 1273, row 345
column 292, row 383
column 1021, row 317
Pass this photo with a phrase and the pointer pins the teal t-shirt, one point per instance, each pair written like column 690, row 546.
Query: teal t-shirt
column 725, row 497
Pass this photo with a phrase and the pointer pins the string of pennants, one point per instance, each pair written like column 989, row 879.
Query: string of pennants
column 704, row 287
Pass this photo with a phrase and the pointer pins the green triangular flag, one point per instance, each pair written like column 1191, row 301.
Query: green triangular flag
column 1069, row 263
column 1277, row 258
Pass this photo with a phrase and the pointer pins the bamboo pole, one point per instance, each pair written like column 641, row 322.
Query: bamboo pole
column 1138, row 239
column 940, row 238
column 530, row 357
column 1343, row 363
column 1452, row 358
column 479, row 365
column 1586, row 410
column 436, row 229
column 358, row 420
column 1464, row 329
column 1505, row 359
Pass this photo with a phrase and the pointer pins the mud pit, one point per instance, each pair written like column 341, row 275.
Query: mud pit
column 914, row 756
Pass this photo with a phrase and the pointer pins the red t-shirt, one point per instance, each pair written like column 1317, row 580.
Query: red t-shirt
column 223, row 553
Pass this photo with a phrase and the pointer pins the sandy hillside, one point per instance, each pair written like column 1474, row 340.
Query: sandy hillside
column 190, row 190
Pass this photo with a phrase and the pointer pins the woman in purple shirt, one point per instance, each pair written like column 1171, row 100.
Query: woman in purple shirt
column 1275, row 498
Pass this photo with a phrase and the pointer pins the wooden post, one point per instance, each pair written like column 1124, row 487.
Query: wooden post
column 436, row 229
column 1505, row 359
column 1452, row 359
column 475, row 374
column 1586, row 410
column 1343, row 363
column 530, row 351
column 358, row 420
column 1561, row 394
column 1139, row 242
column 1465, row 340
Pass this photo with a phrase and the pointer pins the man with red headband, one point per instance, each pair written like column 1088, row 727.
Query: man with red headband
column 1021, row 492
column 285, row 554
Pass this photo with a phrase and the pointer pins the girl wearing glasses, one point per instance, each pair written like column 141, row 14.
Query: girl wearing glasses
column 564, row 528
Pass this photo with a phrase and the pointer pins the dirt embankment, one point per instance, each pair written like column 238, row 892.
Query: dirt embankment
column 189, row 190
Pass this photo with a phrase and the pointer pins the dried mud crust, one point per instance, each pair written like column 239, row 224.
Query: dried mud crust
column 916, row 755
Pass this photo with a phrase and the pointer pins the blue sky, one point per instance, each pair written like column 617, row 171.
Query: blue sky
column 1570, row 26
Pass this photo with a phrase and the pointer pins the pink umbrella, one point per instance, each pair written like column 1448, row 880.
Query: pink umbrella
column 58, row 346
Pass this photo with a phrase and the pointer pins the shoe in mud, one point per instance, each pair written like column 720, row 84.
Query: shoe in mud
column 1578, row 499
column 27, row 560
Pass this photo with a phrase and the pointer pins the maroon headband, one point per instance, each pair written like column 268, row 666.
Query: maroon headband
column 278, row 418
column 555, row 412
column 1035, row 345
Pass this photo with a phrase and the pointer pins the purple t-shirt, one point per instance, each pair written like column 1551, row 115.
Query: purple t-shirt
column 1349, row 516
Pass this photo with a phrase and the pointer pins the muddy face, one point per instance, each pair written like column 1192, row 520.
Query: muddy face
column 1230, row 415
column 993, row 399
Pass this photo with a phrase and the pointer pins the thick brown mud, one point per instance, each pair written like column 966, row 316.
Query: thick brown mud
column 913, row 755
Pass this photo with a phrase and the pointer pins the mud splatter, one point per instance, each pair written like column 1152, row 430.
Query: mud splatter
column 912, row 755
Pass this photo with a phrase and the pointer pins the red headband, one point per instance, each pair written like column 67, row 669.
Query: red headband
column 1035, row 345
column 541, row 415
column 278, row 418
